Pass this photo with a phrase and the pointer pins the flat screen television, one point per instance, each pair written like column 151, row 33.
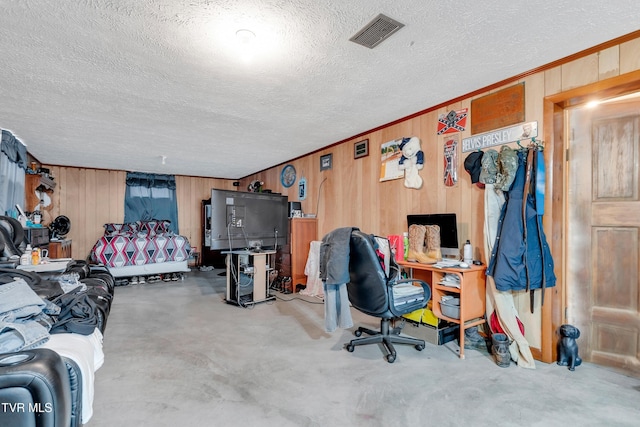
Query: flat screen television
column 448, row 231
column 247, row 220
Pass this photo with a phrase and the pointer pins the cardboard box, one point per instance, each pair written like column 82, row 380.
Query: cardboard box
column 415, row 316
column 432, row 334
column 424, row 316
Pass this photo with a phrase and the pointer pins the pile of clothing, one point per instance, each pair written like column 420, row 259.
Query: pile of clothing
column 62, row 316
column 32, row 306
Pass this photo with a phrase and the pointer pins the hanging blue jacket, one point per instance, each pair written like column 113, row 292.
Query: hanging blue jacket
column 521, row 259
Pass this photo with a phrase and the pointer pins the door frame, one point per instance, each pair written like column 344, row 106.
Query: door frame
column 555, row 224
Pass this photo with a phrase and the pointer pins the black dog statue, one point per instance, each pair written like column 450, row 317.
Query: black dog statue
column 568, row 347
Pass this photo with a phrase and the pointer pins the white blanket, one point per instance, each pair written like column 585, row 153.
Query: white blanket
column 86, row 352
column 314, row 286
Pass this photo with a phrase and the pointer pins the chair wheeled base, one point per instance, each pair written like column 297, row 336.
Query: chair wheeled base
column 385, row 336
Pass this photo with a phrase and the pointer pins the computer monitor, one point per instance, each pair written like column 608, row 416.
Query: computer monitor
column 448, row 231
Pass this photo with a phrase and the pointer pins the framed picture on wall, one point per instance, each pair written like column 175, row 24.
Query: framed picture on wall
column 361, row 149
column 326, row 162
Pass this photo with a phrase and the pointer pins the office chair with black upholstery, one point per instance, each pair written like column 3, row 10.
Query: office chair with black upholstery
column 387, row 296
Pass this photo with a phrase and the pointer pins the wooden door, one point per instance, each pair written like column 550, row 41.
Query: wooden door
column 603, row 232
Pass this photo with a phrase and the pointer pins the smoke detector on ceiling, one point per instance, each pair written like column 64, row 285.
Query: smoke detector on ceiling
column 376, row 31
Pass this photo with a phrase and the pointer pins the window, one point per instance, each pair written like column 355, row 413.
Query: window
column 151, row 196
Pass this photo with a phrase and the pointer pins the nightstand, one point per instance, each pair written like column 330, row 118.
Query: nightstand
column 60, row 249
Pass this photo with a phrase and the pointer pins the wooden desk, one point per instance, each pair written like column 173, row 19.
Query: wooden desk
column 292, row 258
column 471, row 293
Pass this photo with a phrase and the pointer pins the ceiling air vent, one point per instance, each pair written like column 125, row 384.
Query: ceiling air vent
column 376, row 31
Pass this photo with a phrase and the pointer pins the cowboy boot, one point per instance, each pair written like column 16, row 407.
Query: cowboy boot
column 433, row 242
column 416, row 245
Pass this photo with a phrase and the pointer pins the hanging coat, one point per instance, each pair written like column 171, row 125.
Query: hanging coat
column 521, row 259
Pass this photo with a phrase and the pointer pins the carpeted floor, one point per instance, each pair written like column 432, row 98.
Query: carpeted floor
column 177, row 355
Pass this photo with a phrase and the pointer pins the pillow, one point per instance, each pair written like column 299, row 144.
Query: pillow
column 153, row 227
column 113, row 229
column 166, row 226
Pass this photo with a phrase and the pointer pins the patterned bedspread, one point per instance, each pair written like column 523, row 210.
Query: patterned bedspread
column 119, row 249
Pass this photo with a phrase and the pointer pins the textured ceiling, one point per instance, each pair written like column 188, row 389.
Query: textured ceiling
column 118, row 84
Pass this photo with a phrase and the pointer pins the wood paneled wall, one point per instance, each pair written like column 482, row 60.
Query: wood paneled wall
column 350, row 194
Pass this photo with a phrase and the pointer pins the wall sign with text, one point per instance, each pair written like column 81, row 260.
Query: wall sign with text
column 501, row 136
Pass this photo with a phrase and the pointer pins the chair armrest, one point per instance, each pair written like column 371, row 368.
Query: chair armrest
column 425, row 286
column 404, row 307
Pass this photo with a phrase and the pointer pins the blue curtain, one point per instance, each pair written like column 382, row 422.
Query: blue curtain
column 13, row 163
column 151, row 196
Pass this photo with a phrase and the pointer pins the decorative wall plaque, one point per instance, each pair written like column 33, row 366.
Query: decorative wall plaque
column 499, row 109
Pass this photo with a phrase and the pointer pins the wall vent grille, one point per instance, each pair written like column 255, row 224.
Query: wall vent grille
column 376, row 31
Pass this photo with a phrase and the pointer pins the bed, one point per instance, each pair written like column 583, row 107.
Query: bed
column 141, row 248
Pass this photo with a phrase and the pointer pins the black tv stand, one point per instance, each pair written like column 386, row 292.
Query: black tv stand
column 255, row 265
